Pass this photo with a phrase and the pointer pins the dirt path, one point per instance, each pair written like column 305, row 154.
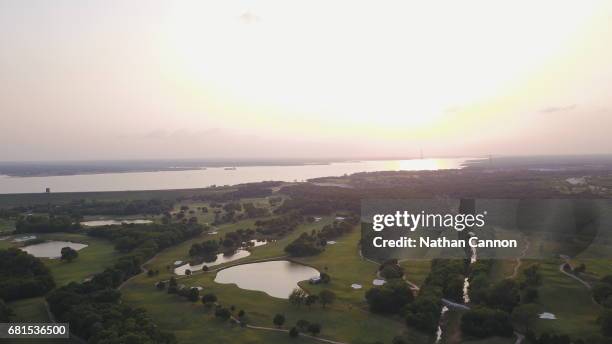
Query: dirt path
column 274, row 329
column 585, row 283
column 519, row 260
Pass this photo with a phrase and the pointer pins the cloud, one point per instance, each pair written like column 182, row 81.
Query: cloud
column 552, row 109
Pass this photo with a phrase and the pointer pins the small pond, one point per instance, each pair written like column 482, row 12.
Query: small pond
column 51, row 249
column 275, row 278
column 97, row 223
column 221, row 258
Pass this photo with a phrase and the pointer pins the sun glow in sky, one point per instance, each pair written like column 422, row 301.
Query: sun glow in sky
column 304, row 78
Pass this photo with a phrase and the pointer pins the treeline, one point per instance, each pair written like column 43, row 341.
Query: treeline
column 23, row 275
column 249, row 190
column 147, row 238
column 46, row 224
column 80, row 208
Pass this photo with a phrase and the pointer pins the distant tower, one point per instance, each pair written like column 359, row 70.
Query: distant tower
column 48, row 190
column 421, row 154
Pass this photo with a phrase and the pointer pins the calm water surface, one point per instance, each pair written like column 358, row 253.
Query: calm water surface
column 97, row 223
column 221, row 258
column 51, row 249
column 277, row 278
column 213, row 176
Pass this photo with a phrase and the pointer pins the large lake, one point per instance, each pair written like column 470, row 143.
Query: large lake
column 212, row 176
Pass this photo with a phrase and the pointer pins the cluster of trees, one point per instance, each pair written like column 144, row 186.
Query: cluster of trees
column 482, row 322
column 96, row 314
column 94, row 309
column 390, row 298
column 299, row 297
column 503, row 303
column 306, row 245
column 149, row 237
column 301, row 325
column 313, row 243
column 206, row 250
column 68, row 254
column 602, row 293
column 251, row 211
column 46, row 224
column 23, row 275
column 231, row 242
column 445, row 280
column 279, row 226
column 337, row 228
column 391, row 269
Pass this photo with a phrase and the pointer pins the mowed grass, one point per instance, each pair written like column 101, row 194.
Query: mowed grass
column 98, row 255
column 6, row 226
column 347, row 320
column 569, row 300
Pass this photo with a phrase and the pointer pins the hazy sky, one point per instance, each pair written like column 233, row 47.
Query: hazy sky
column 204, row 79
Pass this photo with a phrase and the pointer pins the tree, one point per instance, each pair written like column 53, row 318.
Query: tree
column 392, row 297
column 485, row 322
column 314, row 329
column 605, row 319
column 5, row 312
column 297, row 296
column 223, row 313
column 209, row 298
column 278, row 320
column 302, row 325
column 172, row 286
column 524, row 315
column 69, row 254
column 504, row 295
column 424, row 313
column 311, row 300
column 325, row 278
column 194, row 294
column 293, row 333
column 326, row 297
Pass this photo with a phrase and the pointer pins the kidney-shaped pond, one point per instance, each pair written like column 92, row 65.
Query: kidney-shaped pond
column 275, row 278
column 51, row 249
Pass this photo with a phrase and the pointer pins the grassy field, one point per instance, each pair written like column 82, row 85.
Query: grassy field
column 98, row 255
column 346, row 320
column 569, row 300
column 6, row 226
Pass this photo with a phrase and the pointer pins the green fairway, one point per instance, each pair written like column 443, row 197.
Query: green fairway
column 347, row 320
column 569, row 300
